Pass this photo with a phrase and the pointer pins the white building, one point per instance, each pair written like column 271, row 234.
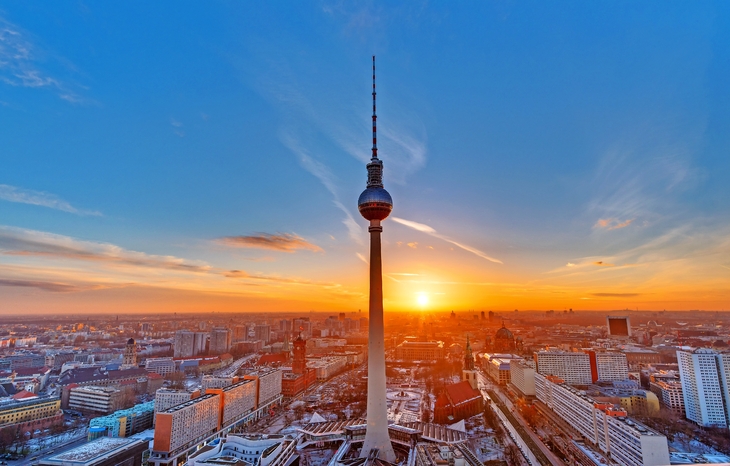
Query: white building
column 268, row 385
column 522, row 376
column 705, row 376
column 623, row 440
column 611, row 366
column 220, row 340
column 94, row 399
column 573, row 367
column 166, row 398
column 162, row 366
column 327, row 366
column 669, row 394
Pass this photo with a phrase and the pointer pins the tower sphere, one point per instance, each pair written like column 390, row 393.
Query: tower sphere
column 375, row 203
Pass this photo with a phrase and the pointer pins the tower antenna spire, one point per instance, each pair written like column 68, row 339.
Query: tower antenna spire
column 375, row 118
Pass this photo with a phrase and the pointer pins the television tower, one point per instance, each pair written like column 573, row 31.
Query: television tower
column 375, row 205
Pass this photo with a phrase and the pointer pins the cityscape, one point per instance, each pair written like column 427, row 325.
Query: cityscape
column 192, row 298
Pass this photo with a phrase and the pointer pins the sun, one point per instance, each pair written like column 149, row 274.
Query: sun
column 422, row 299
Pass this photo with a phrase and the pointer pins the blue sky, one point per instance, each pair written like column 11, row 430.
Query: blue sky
column 584, row 146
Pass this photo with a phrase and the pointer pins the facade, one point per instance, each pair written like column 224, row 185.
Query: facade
column 104, row 451
column 211, row 381
column 220, row 340
column 604, row 425
column 268, row 385
column 188, row 344
column 31, row 414
column 125, row 422
column 456, row 402
column 166, row 398
column 130, row 354
column 705, row 375
column 262, row 332
column 236, row 400
column 420, row 351
column 469, row 373
column 573, row 367
column 249, row 449
column 95, row 399
column 328, row 366
column 162, row 366
column 240, row 333
column 669, row 394
column 607, row 366
column 522, row 377
column 638, row 357
column 185, row 424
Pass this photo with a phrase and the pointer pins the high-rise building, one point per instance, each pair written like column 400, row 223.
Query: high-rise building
column 573, row 367
column 240, row 333
column 262, row 332
column 705, row 375
column 609, row 366
column 220, row 340
column 618, row 326
column 188, row 344
column 375, row 204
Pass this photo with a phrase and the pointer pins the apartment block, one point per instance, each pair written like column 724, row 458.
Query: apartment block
column 573, row 367
column 162, row 366
column 268, row 385
column 188, row 344
column 669, row 394
column 522, row 377
column 237, row 400
column 705, row 375
column 605, row 426
column 609, row 366
column 166, row 398
column 95, row 399
column 182, row 425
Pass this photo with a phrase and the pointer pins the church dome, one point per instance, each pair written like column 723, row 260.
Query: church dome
column 130, row 341
column 504, row 334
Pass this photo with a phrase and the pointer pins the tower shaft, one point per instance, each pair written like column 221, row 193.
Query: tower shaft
column 376, row 433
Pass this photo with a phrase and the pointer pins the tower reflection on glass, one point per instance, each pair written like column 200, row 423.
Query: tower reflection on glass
column 375, row 205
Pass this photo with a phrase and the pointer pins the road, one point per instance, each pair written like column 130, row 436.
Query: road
column 34, row 457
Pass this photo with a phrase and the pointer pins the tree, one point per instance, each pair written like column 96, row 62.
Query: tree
column 512, row 455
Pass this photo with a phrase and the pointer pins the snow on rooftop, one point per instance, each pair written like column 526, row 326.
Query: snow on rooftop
column 93, row 449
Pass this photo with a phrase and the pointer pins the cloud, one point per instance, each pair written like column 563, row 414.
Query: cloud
column 21, row 242
column 45, row 286
column 275, row 278
column 602, row 264
column 615, row 295
column 361, row 257
column 325, row 176
column 430, row 231
column 19, row 63
column 285, row 242
column 39, row 198
column 413, row 245
column 177, row 127
column 612, row 223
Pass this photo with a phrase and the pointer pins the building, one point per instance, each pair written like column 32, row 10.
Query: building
column 104, row 451
column 504, row 341
column 522, row 377
column 605, row 426
column 30, row 414
column 705, row 375
column 237, row 400
column 262, row 332
column 420, row 351
column 618, row 326
column 166, row 398
column 249, row 449
column 328, row 366
column 498, row 367
column 268, row 385
column 95, row 399
column 469, row 373
column 184, row 425
column 300, row 377
column 162, row 366
column 240, row 333
column 220, row 340
column 212, row 381
column 456, row 402
column 125, row 422
column 375, row 205
column 188, row 344
column 130, row 354
column 639, row 357
column 669, row 394
column 573, row 367
column 608, row 366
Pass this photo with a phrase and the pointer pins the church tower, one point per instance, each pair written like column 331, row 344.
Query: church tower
column 130, row 354
column 469, row 374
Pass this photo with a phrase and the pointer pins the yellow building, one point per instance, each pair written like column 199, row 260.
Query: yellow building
column 31, row 413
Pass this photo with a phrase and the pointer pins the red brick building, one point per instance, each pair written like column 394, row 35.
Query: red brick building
column 300, row 377
column 456, row 402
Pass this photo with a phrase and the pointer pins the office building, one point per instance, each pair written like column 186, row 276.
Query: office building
column 95, row 399
column 125, row 422
column 29, row 414
column 237, row 400
column 268, row 385
column 705, row 375
column 522, row 377
column 608, row 366
column 420, row 351
column 162, row 366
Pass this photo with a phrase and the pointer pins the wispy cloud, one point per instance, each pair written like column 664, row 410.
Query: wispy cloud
column 430, row 231
column 22, row 242
column 40, row 198
column 612, row 223
column 615, row 295
column 19, row 63
column 177, row 127
column 603, row 264
column 286, row 242
column 361, row 257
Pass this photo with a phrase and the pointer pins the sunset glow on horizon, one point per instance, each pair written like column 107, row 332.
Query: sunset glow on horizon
column 572, row 159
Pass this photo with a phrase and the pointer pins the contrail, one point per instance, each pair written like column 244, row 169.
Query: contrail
column 430, row 231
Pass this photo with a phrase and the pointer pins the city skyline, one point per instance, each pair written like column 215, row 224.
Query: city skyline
column 193, row 161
